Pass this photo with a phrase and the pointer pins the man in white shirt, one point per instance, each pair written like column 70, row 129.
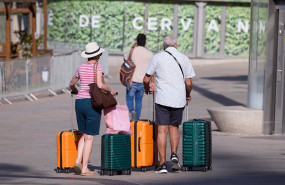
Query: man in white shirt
column 173, row 76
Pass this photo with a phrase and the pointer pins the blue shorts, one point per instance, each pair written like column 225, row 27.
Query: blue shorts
column 168, row 116
column 88, row 119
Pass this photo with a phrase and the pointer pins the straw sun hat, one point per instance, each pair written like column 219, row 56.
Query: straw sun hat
column 91, row 50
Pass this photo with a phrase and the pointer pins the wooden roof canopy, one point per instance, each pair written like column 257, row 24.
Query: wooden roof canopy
column 31, row 10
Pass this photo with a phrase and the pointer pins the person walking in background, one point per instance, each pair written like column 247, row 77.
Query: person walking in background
column 173, row 73
column 88, row 119
column 141, row 58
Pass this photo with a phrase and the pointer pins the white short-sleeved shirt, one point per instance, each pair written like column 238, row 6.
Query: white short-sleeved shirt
column 170, row 83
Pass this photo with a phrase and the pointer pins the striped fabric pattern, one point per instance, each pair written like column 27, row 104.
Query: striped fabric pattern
column 85, row 73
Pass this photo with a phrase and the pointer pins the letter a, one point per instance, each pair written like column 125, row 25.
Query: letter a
column 213, row 26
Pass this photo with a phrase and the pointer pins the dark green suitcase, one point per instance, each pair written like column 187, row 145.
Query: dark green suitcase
column 197, row 145
column 115, row 154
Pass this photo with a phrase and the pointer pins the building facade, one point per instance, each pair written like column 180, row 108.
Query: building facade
column 203, row 29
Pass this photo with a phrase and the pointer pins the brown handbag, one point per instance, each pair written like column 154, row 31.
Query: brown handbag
column 100, row 99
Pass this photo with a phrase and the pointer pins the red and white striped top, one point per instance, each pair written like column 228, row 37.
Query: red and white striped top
column 85, row 73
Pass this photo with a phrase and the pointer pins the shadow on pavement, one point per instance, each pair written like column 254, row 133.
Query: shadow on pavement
column 216, row 97
column 8, row 168
column 91, row 167
column 228, row 78
column 11, row 172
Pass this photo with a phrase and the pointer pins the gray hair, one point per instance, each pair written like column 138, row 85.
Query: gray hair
column 169, row 41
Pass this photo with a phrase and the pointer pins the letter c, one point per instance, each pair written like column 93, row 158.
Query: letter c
column 135, row 23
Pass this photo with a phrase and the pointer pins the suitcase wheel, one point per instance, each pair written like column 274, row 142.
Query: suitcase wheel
column 143, row 169
column 119, row 172
column 110, row 173
column 129, row 172
column 57, row 170
column 102, row 172
column 185, row 169
column 67, row 171
column 204, row 169
column 210, row 168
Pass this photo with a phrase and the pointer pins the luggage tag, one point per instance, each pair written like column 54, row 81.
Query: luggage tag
column 75, row 138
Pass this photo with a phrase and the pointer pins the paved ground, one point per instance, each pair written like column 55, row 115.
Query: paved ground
column 28, row 138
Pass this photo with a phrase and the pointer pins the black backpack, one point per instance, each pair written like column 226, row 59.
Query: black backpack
column 127, row 70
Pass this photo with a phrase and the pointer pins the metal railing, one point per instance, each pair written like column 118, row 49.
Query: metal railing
column 24, row 77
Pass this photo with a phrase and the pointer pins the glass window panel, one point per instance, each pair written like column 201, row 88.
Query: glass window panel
column 87, row 21
column 237, row 31
column 159, row 25
column 114, row 25
column 185, row 27
column 2, row 28
column 57, row 20
column 134, row 22
column 212, row 29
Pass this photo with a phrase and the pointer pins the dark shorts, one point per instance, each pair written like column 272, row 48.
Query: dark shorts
column 168, row 115
column 88, row 119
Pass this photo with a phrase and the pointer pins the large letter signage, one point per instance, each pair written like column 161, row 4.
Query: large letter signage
column 165, row 24
column 83, row 21
column 95, row 21
column 186, row 25
column 243, row 27
column 152, row 22
column 213, row 26
column 135, row 23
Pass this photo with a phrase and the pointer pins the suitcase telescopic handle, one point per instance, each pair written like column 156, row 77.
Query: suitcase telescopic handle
column 72, row 109
column 187, row 113
column 153, row 108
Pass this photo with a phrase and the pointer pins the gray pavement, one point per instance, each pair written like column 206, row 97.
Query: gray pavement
column 28, row 137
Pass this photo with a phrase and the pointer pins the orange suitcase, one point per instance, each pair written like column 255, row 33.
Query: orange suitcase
column 67, row 142
column 143, row 145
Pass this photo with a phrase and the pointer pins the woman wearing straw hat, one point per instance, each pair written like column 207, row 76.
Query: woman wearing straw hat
column 88, row 119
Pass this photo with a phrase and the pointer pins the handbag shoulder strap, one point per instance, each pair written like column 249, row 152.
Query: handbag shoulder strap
column 176, row 62
column 95, row 72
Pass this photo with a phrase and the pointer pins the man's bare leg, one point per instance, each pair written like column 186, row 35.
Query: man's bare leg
column 174, row 138
column 161, row 143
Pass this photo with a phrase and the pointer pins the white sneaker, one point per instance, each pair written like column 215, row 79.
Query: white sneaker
column 175, row 162
column 161, row 169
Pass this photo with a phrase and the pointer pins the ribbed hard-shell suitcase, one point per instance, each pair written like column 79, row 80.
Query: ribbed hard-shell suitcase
column 67, row 142
column 143, row 146
column 197, row 145
column 115, row 154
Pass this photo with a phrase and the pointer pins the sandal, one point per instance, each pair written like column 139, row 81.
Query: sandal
column 77, row 168
column 87, row 173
